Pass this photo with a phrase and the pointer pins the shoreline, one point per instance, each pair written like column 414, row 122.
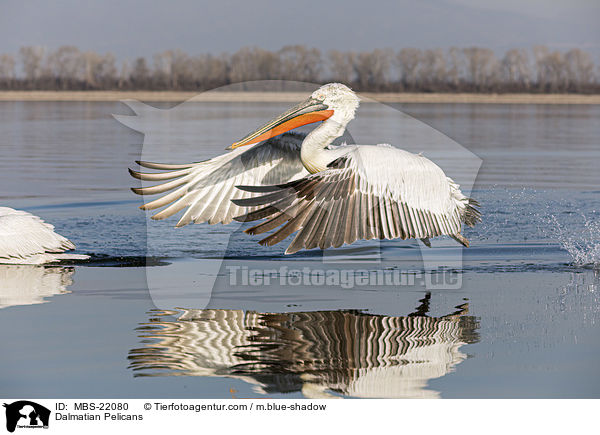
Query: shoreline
column 288, row 97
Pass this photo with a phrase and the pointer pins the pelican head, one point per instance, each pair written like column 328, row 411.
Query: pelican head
column 339, row 98
column 333, row 100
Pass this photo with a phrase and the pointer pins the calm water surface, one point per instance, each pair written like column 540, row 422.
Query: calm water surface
column 523, row 322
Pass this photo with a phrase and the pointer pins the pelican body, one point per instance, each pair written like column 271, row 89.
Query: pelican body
column 27, row 239
column 330, row 195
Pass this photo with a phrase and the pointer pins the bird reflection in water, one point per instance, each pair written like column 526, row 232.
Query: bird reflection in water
column 28, row 285
column 320, row 353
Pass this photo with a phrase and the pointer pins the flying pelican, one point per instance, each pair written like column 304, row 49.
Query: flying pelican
column 330, row 194
column 27, row 239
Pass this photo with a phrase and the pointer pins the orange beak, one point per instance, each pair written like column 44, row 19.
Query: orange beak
column 307, row 112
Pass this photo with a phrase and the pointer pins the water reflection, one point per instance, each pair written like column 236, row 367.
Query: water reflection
column 580, row 297
column 28, row 285
column 319, row 353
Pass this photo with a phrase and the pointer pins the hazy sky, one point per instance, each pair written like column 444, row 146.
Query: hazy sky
column 131, row 28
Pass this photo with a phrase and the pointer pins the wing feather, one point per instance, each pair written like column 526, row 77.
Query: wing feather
column 375, row 192
column 207, row 188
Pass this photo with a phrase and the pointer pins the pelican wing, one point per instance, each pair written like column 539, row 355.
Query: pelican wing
column 370, row 192
column 23, row 236
column 206, row 188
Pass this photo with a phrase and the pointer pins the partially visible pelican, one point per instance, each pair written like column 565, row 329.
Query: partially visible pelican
column 330, row 195
column 27, row 239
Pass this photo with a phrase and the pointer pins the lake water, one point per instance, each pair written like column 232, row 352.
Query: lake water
column 518, row 314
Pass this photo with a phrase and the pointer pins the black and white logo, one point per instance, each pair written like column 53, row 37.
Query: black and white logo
column 26, row 414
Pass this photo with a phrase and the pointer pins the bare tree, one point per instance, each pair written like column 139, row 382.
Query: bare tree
column 124, row 75
column 32, row 58
column 181, row 70
column 433, row 69
column 162, row 64
column 373, row 69
column 539, row 54
column 482, row 67
column 580, row 69
column 300, row 63
column 172, row 69
column 211, row 71
column 7, row 70
column 516, row 70
column 252, row 63
column 408, row 61
column 551, row 70
column 341, row 67
column 140, row 74
column 454, row 68
column 66, row 66
column 100, row 70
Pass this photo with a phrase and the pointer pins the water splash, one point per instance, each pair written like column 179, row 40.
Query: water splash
column 568, row 219
column 582, row 242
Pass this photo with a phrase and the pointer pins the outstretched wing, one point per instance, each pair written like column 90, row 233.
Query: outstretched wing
column 371, row 192
column 23, row 235
column 206, row 188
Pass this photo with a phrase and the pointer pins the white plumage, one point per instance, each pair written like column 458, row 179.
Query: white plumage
column 27, row 239
column 357, row 192
column 330, row 195
column 206, row 188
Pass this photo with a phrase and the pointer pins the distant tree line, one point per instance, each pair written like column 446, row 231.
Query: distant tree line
column 472, row 69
